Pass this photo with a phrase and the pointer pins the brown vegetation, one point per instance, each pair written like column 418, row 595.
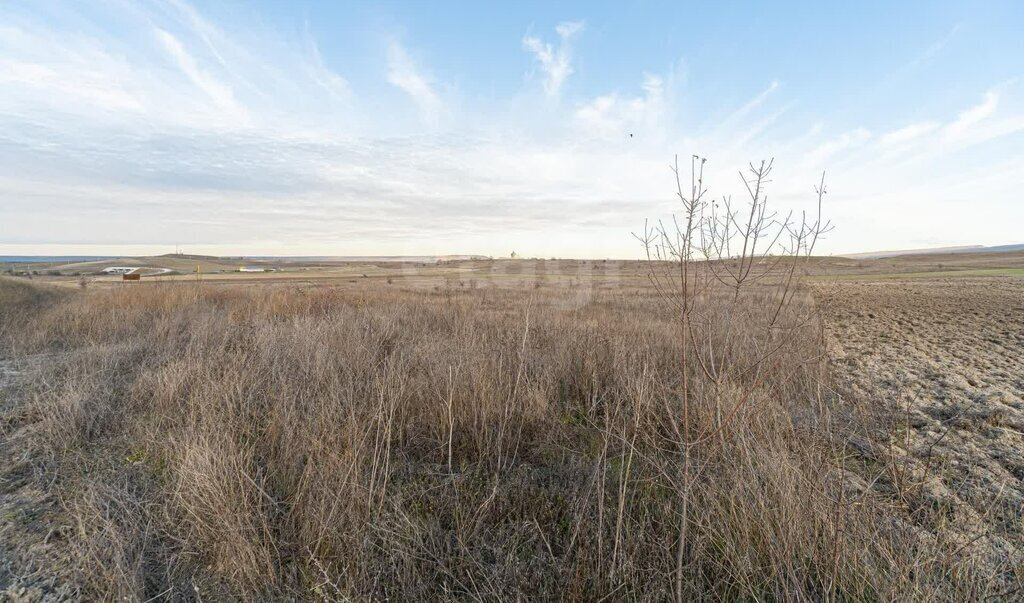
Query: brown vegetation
column 333, row 443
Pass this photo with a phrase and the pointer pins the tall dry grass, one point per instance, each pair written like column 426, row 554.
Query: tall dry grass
column 320, row 443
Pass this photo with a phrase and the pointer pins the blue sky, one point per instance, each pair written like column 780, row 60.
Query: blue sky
column 309, row 128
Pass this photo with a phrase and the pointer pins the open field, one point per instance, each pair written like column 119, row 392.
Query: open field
column 484, row 429
column 496, row 272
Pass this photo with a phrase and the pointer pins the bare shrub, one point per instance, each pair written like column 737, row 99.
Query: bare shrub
column 734, row 307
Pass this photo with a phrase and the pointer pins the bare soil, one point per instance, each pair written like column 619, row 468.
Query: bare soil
column 946, row 358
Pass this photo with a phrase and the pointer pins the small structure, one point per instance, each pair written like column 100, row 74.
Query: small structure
column 120, row 269
column 138, row 271
column 131, row 276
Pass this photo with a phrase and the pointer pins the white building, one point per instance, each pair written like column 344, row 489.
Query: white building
column 120, row 269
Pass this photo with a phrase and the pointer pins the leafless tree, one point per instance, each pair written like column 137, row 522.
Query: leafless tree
column 710, row 248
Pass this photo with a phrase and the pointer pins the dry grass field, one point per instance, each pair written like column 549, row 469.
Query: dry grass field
column 510, row 430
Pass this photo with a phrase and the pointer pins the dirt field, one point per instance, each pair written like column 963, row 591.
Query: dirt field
column 948, row 354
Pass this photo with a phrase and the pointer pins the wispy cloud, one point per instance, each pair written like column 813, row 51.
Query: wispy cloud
column 752, row 104
column 91, row 87
column 206, row 31
column 555, row 61
column 830, row 148
column 934, row 48
column 219, row 92
column 336, row 85
column 974, row 115
column 405, row 74
column 908, row 133
column 612, row 115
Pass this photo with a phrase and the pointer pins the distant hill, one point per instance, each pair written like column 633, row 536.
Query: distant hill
column 874, row 255
column 190, row 256
column 1018, row 247
column 364, row 258
column 205, row 264
column 50, row 259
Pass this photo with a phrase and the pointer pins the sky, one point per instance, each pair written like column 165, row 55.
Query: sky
column 547, row 128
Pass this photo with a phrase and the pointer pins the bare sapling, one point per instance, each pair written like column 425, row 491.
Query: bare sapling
column 702, row 264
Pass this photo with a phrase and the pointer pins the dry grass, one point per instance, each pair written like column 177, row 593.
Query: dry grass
column 323, row 443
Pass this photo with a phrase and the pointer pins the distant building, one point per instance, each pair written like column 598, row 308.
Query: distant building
column 140, row 270
column 120, row 269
